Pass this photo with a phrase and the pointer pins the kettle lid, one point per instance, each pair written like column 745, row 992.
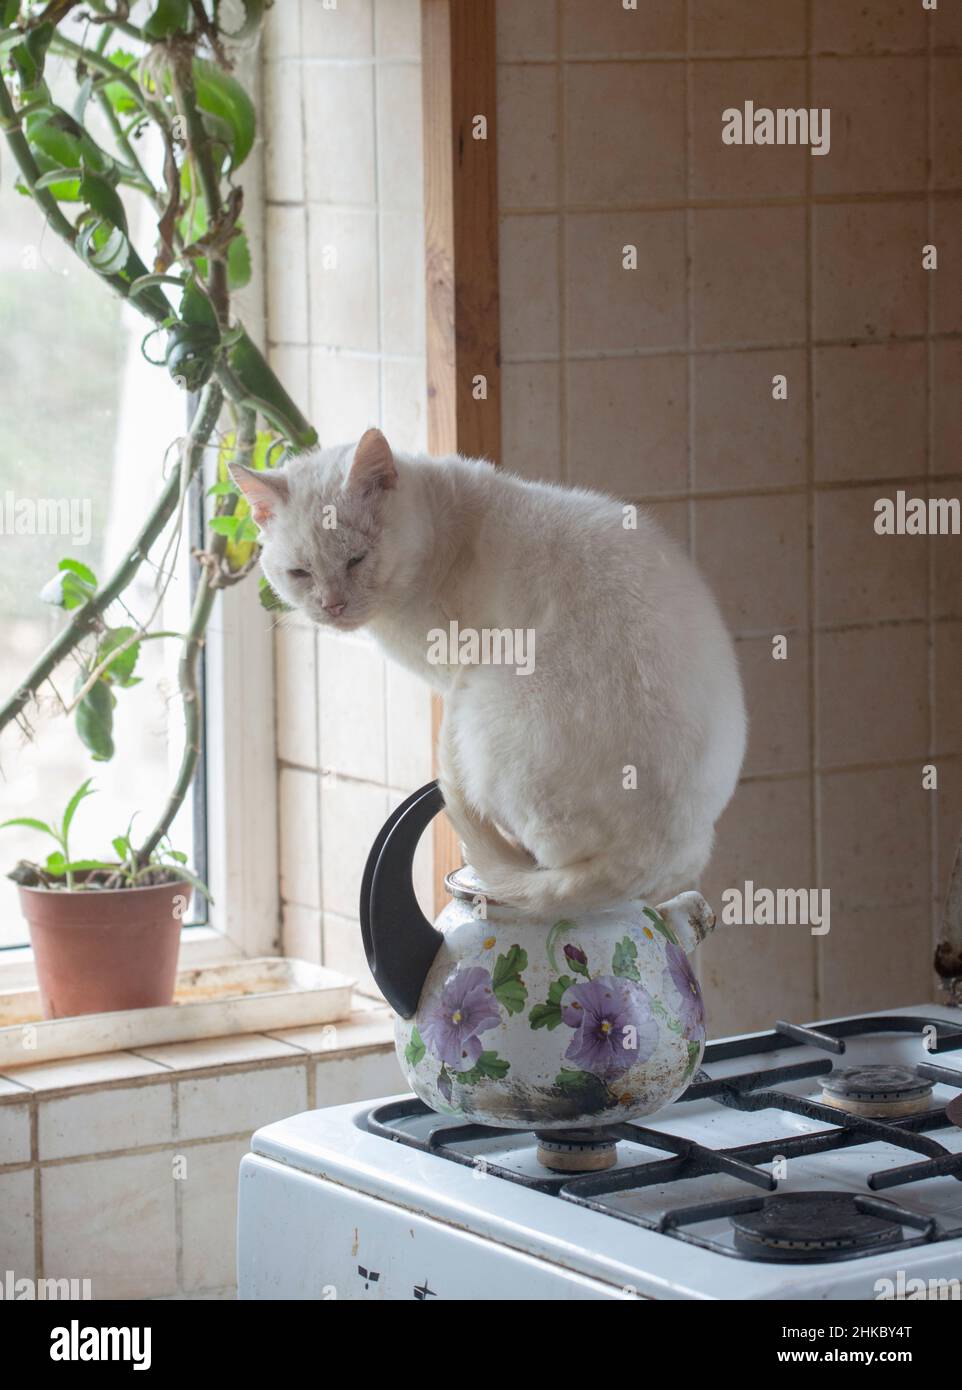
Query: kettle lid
column 465, row 884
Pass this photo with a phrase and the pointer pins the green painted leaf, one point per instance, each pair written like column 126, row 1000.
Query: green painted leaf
column 659, row 923
column 625, row 960
column 694, row 1052
column 564, row 925
column 415, row 1049
column 489, row 1065
column 509, row 988
column 545, row 1016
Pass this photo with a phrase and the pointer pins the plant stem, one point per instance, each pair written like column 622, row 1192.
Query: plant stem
column 86, row 618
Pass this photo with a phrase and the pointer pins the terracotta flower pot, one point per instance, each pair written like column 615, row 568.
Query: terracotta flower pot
column 98, row 951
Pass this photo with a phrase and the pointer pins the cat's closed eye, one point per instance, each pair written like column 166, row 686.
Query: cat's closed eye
column 298, row 574
column 354, row 560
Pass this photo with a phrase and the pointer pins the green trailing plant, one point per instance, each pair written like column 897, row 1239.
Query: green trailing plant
column 171, row 74
column 60, row 870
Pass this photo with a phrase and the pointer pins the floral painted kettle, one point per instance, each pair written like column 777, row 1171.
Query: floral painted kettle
column 520, row 1022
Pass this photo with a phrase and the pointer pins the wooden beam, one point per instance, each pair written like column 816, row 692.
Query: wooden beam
column 459, row 78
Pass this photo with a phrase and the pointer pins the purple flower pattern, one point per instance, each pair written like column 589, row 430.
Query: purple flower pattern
column 466, row 1007
column 613, row 1022
column 691, row 1008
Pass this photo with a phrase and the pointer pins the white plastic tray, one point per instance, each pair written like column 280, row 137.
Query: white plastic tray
column 245, row 996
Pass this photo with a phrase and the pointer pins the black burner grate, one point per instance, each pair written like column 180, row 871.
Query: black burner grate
column 747, row 1091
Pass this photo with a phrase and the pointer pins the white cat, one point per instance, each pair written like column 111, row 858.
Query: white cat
column 600, row 774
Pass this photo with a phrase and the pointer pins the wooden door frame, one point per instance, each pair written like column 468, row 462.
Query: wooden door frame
column 459, row 91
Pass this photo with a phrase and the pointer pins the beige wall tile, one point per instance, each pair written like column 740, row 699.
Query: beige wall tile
column 947, row 300
column 870, row 411
column 672, row 517
column 351, row 707
column 861, row 576
column 748, row 275
column 754, row 974
column 302, row 936
column 627, row 424
column 752, row 552
column 526, row 31
column 402, row 299
column 947, row 405
column 284, row 133
column 589, row 28
column 14, row 1134
column 404, row 403
column 346, row 31
column 890, row 301
column 282, row 30
column 777, row 697
column 344, row 279
column 731, row 26
column 339, row 134
column 876, row 959
column 531, row 419
column 286, row 293
column 948, row 685
column 344, row 951
column 101, row 1216
column 947, row 557
column 295, row 671
column 208, row 1206
column 528, row 273
column 635, row 113
column 878, row 138
column 881, row 26
column 874, row 837
column 369, row 1077
column 949, row 823
column 300, row 840
column 743, row 436
column 293, row 366
column 528, row 135
column 407, row 705
column 397, row 28
column 946, row 24
column 351, row 815
column 730, row 171
column 344, row 394
column 99, row 1121
column 610, row 308
column 240, row 1102
column 400, row 181
column 17, row 1224
column 873, row 694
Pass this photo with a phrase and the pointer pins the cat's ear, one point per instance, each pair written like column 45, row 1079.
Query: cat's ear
column 265, row 491
column 373, row 469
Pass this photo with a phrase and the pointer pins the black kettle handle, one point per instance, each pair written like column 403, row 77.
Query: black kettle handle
column 399, row 941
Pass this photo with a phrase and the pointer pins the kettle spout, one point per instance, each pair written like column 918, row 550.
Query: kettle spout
column 690, row 918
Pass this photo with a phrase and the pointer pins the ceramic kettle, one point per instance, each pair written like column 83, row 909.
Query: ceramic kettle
column 513, row 1020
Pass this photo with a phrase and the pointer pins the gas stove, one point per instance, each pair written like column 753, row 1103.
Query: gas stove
column 820, row 1161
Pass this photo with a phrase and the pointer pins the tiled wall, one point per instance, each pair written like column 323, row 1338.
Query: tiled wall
column 345, row 319
column 657, row 384
column 122, row 1168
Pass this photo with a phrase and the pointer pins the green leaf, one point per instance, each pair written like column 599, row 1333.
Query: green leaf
column 119, row 95
column 168, row 17
column 196, row 308
column 625, row 960
column 225, row 525
column 85, row 865
column 191, row 878
column 29, row 57
column 222, row 490
column 227, row 110
column 57, row 141
column 103, row 199
column 121, row 846
column 415, row 1049
column 121, row 669
column 56, row 863
column 30, row 824
column 84, row 790
column 95, row 720
column 80, row 570
column 270, row 600
column 238, row 262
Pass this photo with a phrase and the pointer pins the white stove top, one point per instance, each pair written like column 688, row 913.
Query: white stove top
column 442, row 1228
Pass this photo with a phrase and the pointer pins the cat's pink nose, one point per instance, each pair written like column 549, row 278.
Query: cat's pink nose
column 335, row 609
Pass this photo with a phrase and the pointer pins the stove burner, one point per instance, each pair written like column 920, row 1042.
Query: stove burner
column 811, row 1226
column 880, row 1091
column 576, row 1150
column 953, row 1111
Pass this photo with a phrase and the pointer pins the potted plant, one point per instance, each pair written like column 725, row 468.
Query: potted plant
column 95, row 924
column 105, row 934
